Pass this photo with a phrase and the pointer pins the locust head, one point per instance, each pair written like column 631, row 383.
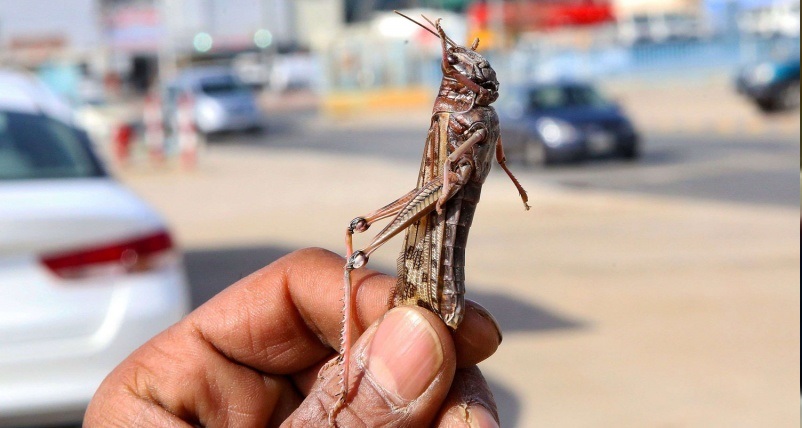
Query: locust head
column 464, row 65
column 468, row 68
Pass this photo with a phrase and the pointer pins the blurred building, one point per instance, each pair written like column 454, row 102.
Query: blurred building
column 362, row 10
column 169, row 34
column 37, row 31
column 627, row 8
column 57, row 39
column 137, row 39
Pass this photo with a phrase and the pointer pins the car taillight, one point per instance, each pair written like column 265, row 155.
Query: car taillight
column 134, row 255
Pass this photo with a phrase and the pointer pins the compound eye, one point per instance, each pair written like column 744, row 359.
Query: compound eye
column 452, row 59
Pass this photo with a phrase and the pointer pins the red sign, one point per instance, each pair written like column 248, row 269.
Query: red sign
column 541, row 15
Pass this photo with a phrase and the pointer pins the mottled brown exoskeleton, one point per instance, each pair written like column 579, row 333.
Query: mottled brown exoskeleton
column 436, row 215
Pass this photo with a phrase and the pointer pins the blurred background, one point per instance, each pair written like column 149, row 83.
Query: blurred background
column 153, row 152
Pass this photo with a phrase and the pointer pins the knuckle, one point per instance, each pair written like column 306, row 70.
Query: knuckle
column 309, row 253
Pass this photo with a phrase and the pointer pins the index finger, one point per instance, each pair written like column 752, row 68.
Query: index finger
column 287, row 317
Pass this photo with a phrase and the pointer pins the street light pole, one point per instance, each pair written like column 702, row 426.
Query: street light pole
column 2, row 43
column 210, row 17
column 168, row 59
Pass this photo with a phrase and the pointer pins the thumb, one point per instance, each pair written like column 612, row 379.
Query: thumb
column 401, row 371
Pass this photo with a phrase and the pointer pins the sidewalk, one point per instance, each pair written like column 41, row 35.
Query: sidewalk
column 618, row 310
column 709, row 105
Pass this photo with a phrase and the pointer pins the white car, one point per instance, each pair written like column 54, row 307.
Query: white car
column 88, row 272
column 222, row 103
column 662, row 28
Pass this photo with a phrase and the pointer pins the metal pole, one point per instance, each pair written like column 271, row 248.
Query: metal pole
column 268, row 54
column 168, row 59
column 2, row 44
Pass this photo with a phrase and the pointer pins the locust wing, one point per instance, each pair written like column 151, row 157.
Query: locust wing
column 420, row 267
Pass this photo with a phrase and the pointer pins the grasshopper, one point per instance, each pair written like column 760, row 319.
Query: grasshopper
column 436, row 215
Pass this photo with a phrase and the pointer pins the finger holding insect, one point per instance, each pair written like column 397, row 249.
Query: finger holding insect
column 305, row 291
column 476, row 339
column 391, row 392
column 469, row 403
column 478, row 335
column 386, row 393
column 403, row 366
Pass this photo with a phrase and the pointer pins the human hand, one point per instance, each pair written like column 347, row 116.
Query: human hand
column 251, row 356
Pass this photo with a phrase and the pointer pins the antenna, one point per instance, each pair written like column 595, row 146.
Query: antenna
column 451, row 42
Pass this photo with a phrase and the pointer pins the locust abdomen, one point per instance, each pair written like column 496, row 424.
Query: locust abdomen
column 459, row 216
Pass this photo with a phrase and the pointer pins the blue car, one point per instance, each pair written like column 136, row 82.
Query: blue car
column 771, row 85
column 544, row 124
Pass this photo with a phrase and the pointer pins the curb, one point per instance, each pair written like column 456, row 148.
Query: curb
column 349, row 102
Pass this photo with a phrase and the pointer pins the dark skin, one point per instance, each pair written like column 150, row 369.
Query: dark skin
column 252, row 356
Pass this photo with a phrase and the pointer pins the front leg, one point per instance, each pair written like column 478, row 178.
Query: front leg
column 448, row 175
column 502, row 160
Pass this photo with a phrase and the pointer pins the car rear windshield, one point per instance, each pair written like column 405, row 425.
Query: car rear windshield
column 553, row 97
column 34, row 146
column 221, row 85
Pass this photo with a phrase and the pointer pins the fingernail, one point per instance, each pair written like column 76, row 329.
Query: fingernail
column 481, row 418
column 405, row 354
column 484, row 313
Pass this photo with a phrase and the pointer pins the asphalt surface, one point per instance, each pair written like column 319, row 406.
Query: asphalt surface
column 659, row 293
column 732, row 167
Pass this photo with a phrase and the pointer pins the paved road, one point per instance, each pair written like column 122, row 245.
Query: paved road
column 724, row 166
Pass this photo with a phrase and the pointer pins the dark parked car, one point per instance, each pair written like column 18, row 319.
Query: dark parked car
column 562, row 122
column 772, row 85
